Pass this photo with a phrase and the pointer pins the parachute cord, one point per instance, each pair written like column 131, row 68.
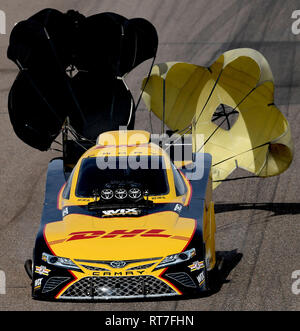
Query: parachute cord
column 117, row 73
column 147, row 80
column 210, row 94
column 150, row 121
column 231, row 179
column 187, row 129
column 63, row 72
column 266, row 161
column 57, row 142
column 245, row 177
column 73, row 132
column 55, row 150
column 164, row 107
column 135, row 51
column 223, row 113
column 226, row 116
column 218, row 127
column 76, row 141
column 249, row 150
column 78, row 136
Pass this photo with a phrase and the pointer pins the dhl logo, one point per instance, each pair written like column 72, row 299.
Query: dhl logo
column 153, row 233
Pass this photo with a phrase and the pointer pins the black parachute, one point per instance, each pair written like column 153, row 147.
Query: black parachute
column 71, row 66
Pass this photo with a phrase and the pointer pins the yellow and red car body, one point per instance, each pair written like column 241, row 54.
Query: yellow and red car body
column 162, row 245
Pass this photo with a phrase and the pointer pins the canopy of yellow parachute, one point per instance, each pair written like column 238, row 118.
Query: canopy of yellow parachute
column 186, row 96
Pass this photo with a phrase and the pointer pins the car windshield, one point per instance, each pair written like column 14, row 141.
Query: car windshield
column 147, row 171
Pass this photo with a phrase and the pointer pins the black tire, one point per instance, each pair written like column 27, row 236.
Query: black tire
column 28, row 268
column 215, row 275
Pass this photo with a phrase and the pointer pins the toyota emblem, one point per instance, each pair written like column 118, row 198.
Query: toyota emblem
column 120, row 193
column 107, row 194
column 134, row 193
column 117, row 264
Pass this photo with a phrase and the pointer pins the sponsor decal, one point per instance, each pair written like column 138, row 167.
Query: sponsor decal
column 196, row 265
column 38, row 283
column 65, row 212
column 118, row 273
column 201, row 278
column 144, row 233
column 118, row 233
column 44, row 257
column 121, row 212
column 42, row 270
column 178, row 208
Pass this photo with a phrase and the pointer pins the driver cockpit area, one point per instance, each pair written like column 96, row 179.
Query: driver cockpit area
column 125, row 168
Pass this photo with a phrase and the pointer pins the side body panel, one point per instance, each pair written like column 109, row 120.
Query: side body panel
column 201, row 206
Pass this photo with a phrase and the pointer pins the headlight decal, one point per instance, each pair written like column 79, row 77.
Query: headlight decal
column 176, row 258
column 60, row 262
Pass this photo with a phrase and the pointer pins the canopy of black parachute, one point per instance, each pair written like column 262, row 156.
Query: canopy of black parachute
column 100, row 49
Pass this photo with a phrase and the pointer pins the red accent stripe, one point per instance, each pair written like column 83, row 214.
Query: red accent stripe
column 192, row 236
column 75, row 278
column 63, row 289
column 46, row 241
column 165, row 280
column 164, row 270
column 191, row 191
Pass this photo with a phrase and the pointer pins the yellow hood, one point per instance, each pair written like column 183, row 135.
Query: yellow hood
column 120, row 238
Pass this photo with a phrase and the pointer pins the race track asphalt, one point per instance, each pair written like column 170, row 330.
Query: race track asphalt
column 258, row 220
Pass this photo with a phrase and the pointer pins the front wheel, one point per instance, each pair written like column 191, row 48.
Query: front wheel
column 214, row 275
column 28, row 268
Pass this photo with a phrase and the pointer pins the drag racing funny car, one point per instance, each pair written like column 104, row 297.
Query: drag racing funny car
column 126, row 224
column 126, row 216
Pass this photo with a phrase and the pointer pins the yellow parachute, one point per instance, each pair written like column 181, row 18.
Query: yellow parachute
column 192, row 99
